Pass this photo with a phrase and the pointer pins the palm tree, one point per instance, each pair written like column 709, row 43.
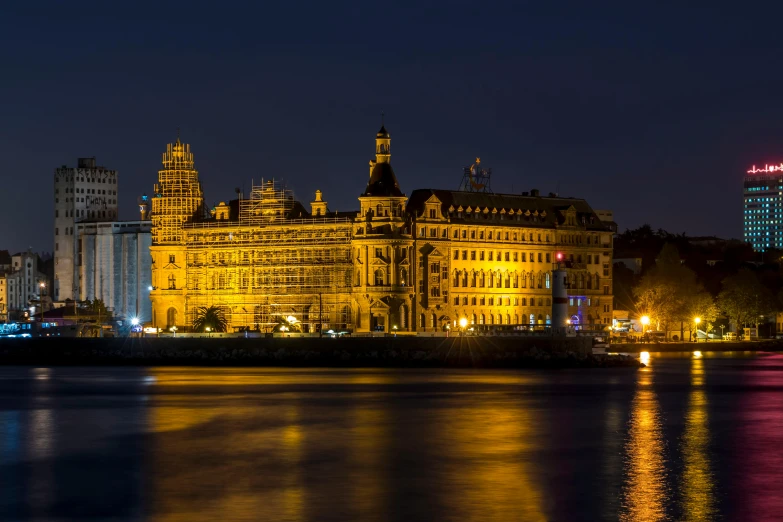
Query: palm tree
column 211, row 317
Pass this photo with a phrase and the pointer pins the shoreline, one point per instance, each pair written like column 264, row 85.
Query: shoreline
column 401, row 352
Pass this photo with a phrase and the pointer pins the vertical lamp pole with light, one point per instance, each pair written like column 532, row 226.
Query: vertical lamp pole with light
column 42, row 286
column 645, row 321
column 697, row 321
column 209, row 330
column 463, row 322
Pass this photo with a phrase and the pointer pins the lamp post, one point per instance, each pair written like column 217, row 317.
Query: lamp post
column 697, row 321
column 463, row 322
column 645, row 321
column 42, row 285
column 394, row 328
column 173, row 330
column 209, row 330
column 721, row 331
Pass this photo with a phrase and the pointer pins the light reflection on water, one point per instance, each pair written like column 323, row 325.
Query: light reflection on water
column 645, row 492
column 687, row 438
column 697, row 483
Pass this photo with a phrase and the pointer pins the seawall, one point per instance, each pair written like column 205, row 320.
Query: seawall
column 501, row 352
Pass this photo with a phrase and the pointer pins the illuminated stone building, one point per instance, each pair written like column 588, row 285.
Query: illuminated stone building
column 417, row 263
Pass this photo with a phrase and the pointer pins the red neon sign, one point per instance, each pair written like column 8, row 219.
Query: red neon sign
column 767, row 168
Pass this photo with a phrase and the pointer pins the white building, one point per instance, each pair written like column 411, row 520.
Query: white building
column 115, row 266
column 85, row 193
column 23, row 283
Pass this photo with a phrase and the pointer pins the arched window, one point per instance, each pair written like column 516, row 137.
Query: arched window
column 379, row 210
column 491, row 319
column 547, row 280
column 473, row 319
column 532, row 319
column 516, row 319
column 171, row 317
column 422, row 320
column 481, row 280
column 379, row 277
column 464, row 278
column 481, row 319
column 403, row 316
column 540, row 319
column 456, row 279
column 433, row 321
column 548, row 319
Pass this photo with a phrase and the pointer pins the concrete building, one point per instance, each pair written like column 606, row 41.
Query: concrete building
column 114, row 266
column 23, row 285
column 85, row 193
column 417, row 264
column 763, row 207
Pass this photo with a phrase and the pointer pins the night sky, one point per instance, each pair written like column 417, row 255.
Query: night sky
column 654, row 110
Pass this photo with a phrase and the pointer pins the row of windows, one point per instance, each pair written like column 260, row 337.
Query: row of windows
column 87, row 213
column 111, row 181
column 89, row 191
column 110, row 201
column 500, row 301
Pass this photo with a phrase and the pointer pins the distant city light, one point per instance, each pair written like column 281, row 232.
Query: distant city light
column 135, row 321
column 767, row 168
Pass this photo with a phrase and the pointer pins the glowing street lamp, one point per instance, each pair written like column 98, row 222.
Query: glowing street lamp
column 697, row 321
column 40, row 297
column 395, row 330
column 208, row 329
column 173, row 330
column 645, row 321
column 463, row 322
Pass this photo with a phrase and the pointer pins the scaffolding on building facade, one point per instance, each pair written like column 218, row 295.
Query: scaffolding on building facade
column 268, row 267
column 178, row 197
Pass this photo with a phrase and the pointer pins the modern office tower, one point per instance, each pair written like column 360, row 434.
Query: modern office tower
column 87, row 192
column 763, row 207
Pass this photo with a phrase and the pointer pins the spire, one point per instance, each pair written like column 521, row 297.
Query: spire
column 382, row 182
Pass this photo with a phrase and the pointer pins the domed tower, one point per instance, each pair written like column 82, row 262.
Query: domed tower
column 382, row 251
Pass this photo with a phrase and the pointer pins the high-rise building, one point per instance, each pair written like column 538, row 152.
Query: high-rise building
column 418, row 263
column 85, row 193
column 763, row 207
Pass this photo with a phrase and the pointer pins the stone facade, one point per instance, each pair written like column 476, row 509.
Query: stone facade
column 416, row 264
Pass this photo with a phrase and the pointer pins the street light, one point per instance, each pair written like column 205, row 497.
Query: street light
column 40, row 297
column 697, row 321
column 208, row 329
column 173, row 330
column 645, row 321
column 395, row 330
column 463, row 322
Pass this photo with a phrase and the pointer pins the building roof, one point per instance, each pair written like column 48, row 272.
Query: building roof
column 383, row 133
column 383, row 182
column 538, row 211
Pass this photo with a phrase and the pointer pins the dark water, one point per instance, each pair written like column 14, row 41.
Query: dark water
column 686, row 439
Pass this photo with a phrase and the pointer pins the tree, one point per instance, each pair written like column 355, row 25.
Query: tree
column 745, row 300
column 665, row 290
column 210, row 317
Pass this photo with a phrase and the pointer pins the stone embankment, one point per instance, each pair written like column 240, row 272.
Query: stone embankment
column 460, row 352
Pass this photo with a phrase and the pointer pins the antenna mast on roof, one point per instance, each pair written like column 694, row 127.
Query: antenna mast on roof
column 476, row 179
